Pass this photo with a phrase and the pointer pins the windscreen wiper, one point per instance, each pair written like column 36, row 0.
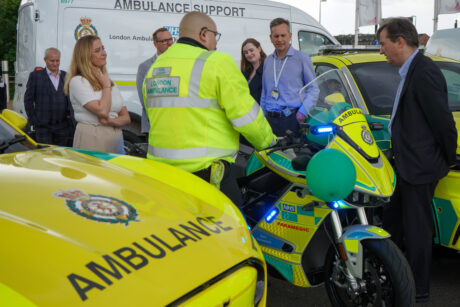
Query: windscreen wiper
column 6, row 144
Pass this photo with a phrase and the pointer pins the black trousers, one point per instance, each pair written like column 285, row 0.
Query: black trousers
column 61, row 137
column 281, row 124
column 409, row 219
column 228, row 185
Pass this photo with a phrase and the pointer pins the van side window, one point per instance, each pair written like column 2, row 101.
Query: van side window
column 310, row 42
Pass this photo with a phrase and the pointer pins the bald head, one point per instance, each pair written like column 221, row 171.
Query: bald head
column 192, row 24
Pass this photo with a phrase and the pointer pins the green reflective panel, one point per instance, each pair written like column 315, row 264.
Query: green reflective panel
column 446, row 218
column 254, row 164
column 285, row 269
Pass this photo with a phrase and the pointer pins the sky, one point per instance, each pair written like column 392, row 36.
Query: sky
column 338, row 16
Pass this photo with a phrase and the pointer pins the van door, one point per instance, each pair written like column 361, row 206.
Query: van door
column 25, row 53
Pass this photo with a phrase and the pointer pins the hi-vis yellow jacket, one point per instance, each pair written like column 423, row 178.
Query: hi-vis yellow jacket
column 198, row 103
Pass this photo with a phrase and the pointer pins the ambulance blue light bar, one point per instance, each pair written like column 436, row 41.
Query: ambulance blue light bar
column 271, row 215
column 323, row 129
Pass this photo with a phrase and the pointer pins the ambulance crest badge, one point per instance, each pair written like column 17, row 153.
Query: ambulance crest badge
column 366, row 136
column 98, row 207
column 84, row 28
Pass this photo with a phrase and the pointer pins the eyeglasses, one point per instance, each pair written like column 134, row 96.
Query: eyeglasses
column 217, row 34
column 165, row 41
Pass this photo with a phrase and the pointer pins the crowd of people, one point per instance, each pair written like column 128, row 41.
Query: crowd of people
column 84, row 109
column 197, row 102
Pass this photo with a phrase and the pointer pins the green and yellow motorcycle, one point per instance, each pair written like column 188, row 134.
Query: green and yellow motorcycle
column 305, row 200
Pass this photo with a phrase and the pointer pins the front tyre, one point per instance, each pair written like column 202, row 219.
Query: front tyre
column 387, row 277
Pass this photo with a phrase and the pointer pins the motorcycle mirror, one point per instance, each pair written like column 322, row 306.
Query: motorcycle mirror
column 331, row 175
column 376, row 126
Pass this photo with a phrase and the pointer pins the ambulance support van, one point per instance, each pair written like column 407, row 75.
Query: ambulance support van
column 126, row 26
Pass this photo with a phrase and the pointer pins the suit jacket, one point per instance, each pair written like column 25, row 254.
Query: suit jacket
column 141, row 74
column 423, row 133
column 46, row 107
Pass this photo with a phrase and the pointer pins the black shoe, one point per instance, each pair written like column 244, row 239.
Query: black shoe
column 422, row 298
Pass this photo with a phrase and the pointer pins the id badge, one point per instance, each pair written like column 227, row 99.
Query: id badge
column 275, row 95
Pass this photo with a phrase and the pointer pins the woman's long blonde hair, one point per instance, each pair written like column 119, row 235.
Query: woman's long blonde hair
column 81, row 65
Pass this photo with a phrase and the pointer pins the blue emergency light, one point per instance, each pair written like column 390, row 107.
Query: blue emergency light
column 323, row 129
column 271, row 215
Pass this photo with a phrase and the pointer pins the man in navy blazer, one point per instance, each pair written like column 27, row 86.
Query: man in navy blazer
column 424, row 142
column 48, row 109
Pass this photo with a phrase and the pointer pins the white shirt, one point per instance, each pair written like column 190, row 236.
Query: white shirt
column 81, row 92
column 54, row 79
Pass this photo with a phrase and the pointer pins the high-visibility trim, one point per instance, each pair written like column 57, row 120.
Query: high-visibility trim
column 248, row 117
column 195, row 76
column 125, row 83
column 181, row 102
column 190, row 153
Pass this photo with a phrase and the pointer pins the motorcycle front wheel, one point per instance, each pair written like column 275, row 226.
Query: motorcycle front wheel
column 386, row 281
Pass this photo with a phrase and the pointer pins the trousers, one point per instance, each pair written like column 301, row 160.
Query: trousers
column 409, row 219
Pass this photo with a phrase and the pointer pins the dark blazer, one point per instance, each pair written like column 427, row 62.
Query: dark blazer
column 46, row 107
column 423, row 133
column 255, row 86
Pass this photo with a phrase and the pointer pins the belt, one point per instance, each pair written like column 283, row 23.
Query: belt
column 280, row 114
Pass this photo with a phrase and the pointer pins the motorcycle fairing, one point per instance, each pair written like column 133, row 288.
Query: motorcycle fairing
column 354, row 125
column 376, row 179
column 296, row 224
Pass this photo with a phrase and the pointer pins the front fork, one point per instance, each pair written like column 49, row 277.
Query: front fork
column 349, row 243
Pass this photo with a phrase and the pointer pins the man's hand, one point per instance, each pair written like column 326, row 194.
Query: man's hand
column 300, row 118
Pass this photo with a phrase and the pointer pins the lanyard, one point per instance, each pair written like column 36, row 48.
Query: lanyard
column 277, row 79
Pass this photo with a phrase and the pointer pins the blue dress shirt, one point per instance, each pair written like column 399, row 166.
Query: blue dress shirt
column 298, row 71
column 402, row 73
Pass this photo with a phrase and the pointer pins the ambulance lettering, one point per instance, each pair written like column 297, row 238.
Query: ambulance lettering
column 139, row 254
column 180, row 8
column 348, row 114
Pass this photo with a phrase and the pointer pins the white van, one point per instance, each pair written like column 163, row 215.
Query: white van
column 126, row 27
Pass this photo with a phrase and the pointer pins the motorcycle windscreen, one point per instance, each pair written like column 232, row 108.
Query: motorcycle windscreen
column 324, row 99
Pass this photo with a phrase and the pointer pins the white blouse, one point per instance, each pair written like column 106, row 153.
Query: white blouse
column 81, row 92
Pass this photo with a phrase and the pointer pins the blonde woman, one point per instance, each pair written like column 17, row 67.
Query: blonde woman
column 99, row 109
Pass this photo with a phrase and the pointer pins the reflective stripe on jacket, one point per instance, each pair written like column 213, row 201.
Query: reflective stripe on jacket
column 198, row 103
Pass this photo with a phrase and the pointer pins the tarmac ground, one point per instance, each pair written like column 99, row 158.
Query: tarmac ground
column 445, row 286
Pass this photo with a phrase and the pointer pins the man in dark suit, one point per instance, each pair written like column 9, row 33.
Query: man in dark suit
column 162, row 40
column 424, row 141
column 48, row 109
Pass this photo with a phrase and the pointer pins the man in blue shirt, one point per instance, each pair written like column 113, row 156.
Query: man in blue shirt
column 286, row 71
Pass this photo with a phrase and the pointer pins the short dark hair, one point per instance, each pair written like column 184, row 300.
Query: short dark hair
column 154, row 36
column 279, row 21
column 400, row 27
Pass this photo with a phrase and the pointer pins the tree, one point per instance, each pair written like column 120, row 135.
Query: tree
column 8, row 21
